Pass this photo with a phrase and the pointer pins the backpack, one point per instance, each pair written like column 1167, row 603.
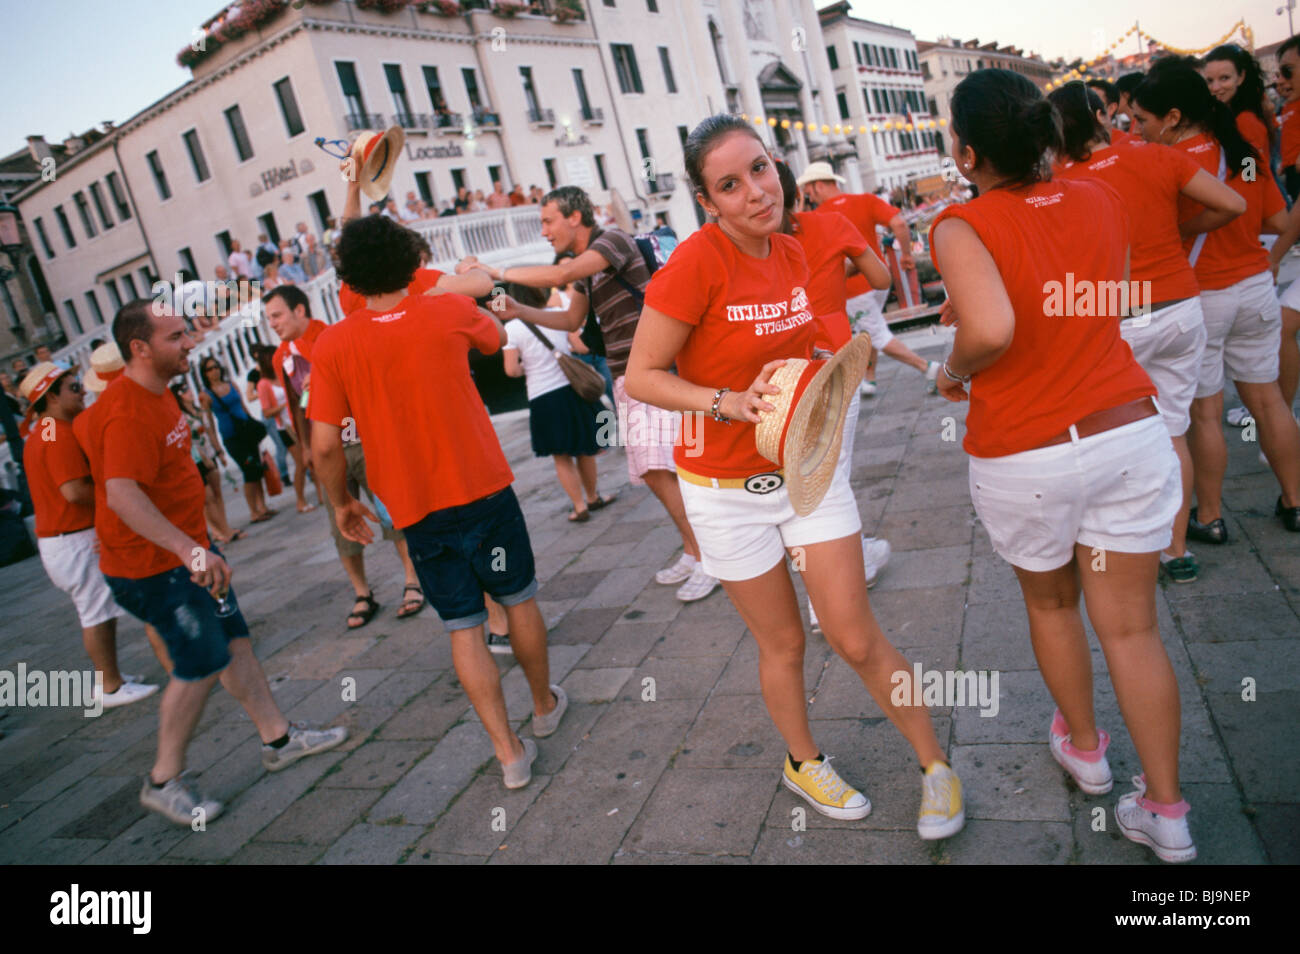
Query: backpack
column 655, row 247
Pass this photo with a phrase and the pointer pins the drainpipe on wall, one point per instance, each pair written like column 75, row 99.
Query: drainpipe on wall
column 139, row 217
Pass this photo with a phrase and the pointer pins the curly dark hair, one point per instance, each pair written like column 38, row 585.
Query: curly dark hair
column 377, row 256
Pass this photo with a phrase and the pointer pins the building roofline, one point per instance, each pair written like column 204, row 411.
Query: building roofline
column 836, row 12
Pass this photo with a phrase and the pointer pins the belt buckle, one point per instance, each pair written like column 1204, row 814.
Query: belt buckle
column 764, row 483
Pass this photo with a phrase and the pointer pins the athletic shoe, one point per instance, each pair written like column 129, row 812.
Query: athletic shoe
column 679, row 571
column 698, row 586
column 178, row 800
column 544, row 725
column 126, row 693
column 499, row 643
column 1169, row 838
column 1290, row 516
column 942, row 813
column 1238, row 416
column 821, row 786
column 1213, row 532
column 932, row 378
column 302, row 743
column 519, row 773
column 875, row 554
column 1090, row 770
column 867, row 389
column 1183, row 569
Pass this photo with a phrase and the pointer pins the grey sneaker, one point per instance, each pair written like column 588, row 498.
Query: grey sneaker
column 499, row 643
column 179, row 801
column 520, row 773
column 302, row 743
column 544, row 725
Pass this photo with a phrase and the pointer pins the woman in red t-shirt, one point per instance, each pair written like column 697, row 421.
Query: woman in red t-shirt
column 729, row 307
column 1072, row 472
column 1167, row 334
column 1243, row 321
column 1235, row 79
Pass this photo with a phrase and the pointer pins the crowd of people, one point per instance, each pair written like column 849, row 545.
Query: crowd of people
column 1094, row 423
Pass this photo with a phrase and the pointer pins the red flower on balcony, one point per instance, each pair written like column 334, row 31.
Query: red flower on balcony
column 383, row 6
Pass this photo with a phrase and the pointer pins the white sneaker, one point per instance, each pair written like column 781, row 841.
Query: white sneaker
column 127, row 693
column 698, row 586
column 932, row 378
column 867, row 389
column 1169, row 838
column 1238, row 416
column 1092, row 777
column 679, row 571
column 875, row 554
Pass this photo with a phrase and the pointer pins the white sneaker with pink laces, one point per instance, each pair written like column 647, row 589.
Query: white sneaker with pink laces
column 1162, row 828
column 1090, row 770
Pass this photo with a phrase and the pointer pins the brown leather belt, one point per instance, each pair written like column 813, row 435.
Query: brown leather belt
column 1106, row 420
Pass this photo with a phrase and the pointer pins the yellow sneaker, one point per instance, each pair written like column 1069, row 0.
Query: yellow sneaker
column 822, row 786
column 942, row 814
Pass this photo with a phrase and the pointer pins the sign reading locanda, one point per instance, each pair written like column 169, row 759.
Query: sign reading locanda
column 433, row 152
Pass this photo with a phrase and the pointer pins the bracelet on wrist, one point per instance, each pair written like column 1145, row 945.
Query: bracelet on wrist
column 717, row 406
column 960, row 379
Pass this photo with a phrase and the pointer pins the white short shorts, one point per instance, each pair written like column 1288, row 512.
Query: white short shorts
column 648, row 434
column 1118, row 490
column 867, row 313
column 1169, row 344
column 1291, row 297
column 743, row 535
column 72, row 562
column 1243, row 332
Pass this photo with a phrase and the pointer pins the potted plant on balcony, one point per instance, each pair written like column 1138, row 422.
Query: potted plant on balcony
column 382, row 6
column 442, row 8
column 568, row 10
column 508, row 8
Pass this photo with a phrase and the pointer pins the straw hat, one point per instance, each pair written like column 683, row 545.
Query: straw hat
column 40, row 379
column 106, row 364
column 804, row 433
column 376, row 153
column 818, row 172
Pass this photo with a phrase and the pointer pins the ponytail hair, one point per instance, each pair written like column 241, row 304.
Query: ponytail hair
column 1078, row 106
column 789, row 195
column 1249, row 96
column 1004, row 118
column 1175, row 82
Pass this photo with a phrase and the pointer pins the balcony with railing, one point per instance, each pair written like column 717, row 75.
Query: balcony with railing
column 593, row 116
column 486, row 118
column 412, row 120
column 662, row 184
column 445, row 121
column 357, row 122
column 541, row 117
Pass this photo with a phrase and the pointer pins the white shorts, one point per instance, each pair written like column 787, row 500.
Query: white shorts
column 1169, row 344
column 743, row 535
column 72, row 562
column 1243, row 332
column 867, row 313
column 1118, row 490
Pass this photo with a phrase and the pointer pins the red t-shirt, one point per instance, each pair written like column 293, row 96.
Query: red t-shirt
column 1255, row 133
column 131, row 432
column 1289, row 124
column 744, row 312
column 51, row 458
column 422, row 281
column 1231, row 252
column 1118, row 136
column 1148, row 178
column 403, row 376
column 1065, row 361
column 866, row 212
column 826, row 241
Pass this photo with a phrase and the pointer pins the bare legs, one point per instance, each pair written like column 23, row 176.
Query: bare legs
column 1279, row 439
column 663, row 484
column 1178, row 545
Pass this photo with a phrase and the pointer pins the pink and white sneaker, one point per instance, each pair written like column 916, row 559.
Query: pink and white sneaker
column 1090, row 770
column 1162, row 828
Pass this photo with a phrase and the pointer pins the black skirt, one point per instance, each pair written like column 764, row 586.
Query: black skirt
column 560, row 422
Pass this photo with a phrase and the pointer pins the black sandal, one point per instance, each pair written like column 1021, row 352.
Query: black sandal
column 417, row 600
column 600, row 503
column 365, row 615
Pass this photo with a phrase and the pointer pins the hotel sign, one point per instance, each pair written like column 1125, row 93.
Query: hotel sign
column 274, row 178
column 433, row 152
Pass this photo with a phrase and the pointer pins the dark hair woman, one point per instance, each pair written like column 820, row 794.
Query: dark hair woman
column 1165, row 327
column 240, row 434
column 1069, row 458
column 207, row 458
column 741, row 263
column 275, row 413
column 1235, row 79
column 1243, row 321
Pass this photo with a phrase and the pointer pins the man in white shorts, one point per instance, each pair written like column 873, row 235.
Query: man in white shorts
column 63, row 496
column 608, row 272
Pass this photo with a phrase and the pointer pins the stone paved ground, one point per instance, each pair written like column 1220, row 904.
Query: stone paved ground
column 693, row 776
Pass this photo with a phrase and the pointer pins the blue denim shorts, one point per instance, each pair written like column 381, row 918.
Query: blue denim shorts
column 462, row 552
column 185, row 615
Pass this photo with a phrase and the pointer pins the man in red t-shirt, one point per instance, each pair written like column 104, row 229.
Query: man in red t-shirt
column 866, row 305
column 397, row 372
column 161, row 566
column 63, row 497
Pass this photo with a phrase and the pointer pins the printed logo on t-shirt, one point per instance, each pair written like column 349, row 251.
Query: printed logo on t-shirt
column 1042, row 201
column 389, row 316
column 1104, row 163
column 774, row 317
column 1202, row 147
column 178, row 432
